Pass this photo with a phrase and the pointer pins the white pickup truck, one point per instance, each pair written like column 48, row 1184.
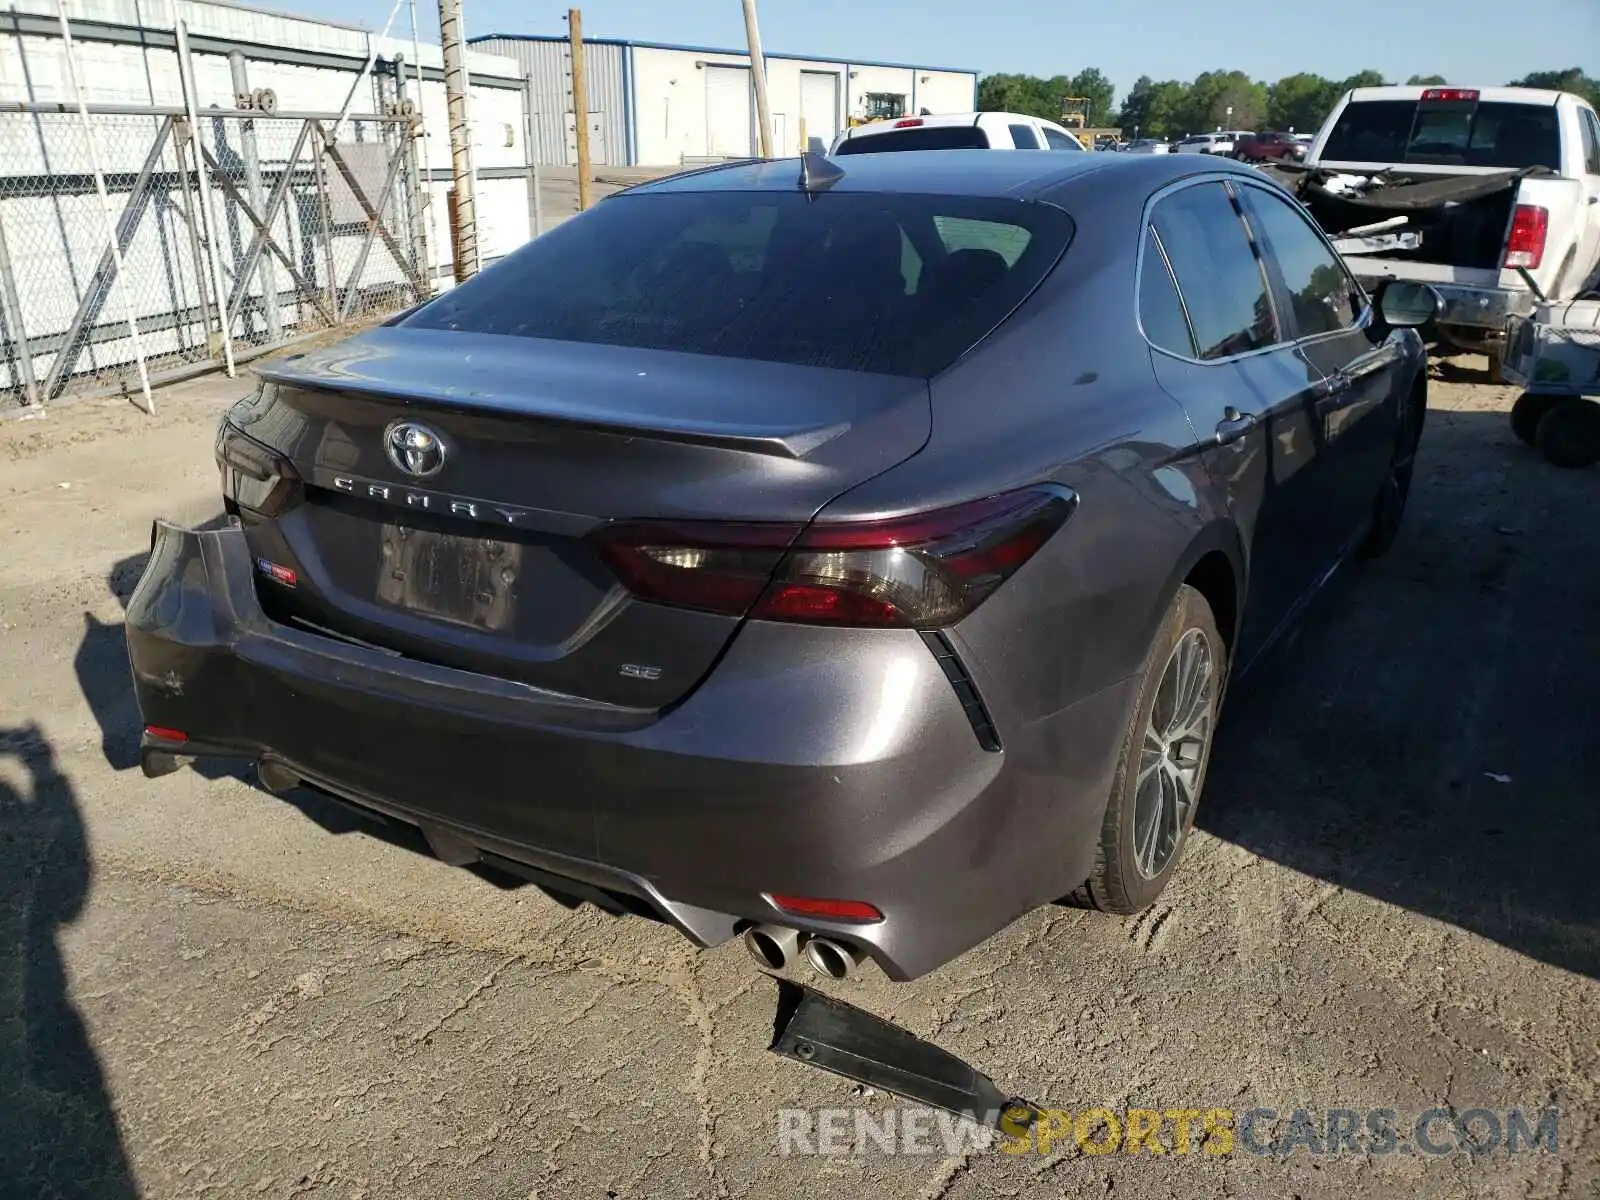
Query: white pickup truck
column 1459, row 188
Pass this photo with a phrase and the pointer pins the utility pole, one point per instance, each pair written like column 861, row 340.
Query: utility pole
column 758, row 75
column 580, row 104
column 464, row 212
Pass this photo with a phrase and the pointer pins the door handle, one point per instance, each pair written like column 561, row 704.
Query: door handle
column 1234, row 425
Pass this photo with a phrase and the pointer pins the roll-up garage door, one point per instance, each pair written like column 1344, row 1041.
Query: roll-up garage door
column 728, row 124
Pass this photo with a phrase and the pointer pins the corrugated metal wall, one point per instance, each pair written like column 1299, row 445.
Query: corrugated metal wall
column 548, row 64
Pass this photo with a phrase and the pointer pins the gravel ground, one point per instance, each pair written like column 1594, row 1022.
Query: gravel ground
column 1391, row 903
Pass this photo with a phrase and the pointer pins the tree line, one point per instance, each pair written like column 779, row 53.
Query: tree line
column 1171, row 108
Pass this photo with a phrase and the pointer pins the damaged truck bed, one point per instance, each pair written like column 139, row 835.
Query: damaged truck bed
column 1456, row 220
column 1489, row 195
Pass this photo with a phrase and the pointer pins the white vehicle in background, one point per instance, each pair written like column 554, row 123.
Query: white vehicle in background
column 1463, row 189
column 1206, row 143
column 1148, row 146
column 957, row 131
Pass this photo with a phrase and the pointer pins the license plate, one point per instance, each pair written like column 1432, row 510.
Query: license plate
column 465, row 580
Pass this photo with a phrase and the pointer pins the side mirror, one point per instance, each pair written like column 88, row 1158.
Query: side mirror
column 1407, row 305
column 816, row 145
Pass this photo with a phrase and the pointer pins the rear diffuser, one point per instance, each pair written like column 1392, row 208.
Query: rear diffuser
column 823, row 1032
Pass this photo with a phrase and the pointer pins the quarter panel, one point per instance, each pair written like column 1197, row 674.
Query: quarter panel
column 1064, row 393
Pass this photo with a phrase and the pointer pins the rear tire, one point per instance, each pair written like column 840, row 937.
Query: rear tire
column 1526, row 414
column 1569, row 433
column 1162, row 766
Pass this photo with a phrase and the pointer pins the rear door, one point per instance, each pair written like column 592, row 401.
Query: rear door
column 1250, row 395
column 1326, row 312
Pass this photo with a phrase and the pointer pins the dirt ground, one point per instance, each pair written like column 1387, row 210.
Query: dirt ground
column 1391, row 902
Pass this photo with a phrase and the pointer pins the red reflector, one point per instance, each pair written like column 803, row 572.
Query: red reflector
column 828, row 910
column 825, row 605
column 165, row 734
column 1446, row 95
column 908, row 123
column 1530, row 225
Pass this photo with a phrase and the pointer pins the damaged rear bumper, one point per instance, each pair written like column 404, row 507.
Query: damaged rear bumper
column 781, row 774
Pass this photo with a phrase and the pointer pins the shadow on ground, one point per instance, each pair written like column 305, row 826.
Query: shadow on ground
column 1429, row 736
column 1449, row 365
column 58, row 1137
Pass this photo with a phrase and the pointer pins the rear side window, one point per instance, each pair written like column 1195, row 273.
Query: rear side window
column 1217, row 272
column 1491, row 134
column 1023, row 137
column 1060, row 141
column 921, row 137
column 893, row 284
column 1312, row 283
column 1160, row 312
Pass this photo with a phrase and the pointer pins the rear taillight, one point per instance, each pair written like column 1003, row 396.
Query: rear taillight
column 921, row 571
column 1450, row 96
column 908, row 123
column 1530, row 225
column 253, row 476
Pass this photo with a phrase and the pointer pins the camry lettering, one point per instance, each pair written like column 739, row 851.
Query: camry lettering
column 473, row 510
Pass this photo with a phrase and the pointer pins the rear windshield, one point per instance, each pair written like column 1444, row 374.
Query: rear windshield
column 924, row 137
column 893, row 284
column 1510, row 136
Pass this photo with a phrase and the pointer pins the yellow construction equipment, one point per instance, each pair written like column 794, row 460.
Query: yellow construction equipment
column 1074, row 111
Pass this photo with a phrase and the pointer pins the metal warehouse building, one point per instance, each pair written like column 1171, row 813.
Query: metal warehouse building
column 652, row 104
column 125, row 54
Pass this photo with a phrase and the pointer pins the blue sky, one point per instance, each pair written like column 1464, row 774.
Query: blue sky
column 1469, row 41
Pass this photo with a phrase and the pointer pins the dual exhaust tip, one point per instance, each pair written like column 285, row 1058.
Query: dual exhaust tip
column 775, row 947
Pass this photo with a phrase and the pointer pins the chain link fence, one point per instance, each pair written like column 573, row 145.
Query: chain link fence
column 313, row 222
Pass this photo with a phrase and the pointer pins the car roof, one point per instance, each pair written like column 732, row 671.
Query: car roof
column 1020, row 174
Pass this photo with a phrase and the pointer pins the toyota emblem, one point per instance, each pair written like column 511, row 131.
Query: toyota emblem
column 414, row 449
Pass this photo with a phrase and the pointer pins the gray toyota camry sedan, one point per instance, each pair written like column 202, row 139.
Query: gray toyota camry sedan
column 849, row 555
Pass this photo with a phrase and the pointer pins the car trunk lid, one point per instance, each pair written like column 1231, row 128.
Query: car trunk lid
column 474, row 552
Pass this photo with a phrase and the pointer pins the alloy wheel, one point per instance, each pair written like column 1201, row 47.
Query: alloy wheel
column 1172, row 757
